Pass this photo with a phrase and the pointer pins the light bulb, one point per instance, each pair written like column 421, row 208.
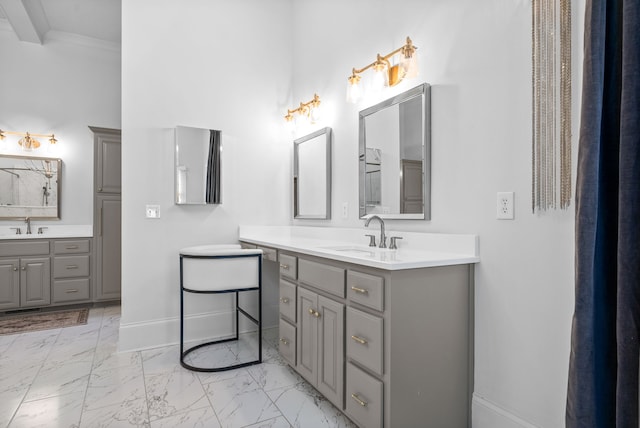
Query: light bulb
column 315, row 114
column 410, row 66
column 354, row 89
column 379, row 79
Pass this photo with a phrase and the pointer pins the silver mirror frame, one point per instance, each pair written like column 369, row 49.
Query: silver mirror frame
column 423, row 90
column 58, row 163
column 296, row 173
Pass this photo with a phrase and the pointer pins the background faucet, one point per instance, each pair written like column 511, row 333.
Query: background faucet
column 383, row 237
column 28, row 221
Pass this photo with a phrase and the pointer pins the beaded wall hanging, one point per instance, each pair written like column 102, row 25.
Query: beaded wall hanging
column 551, row 148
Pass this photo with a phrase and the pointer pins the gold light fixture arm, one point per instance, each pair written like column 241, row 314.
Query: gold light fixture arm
column 304, row 109
column 28, row 139
column 408, row 49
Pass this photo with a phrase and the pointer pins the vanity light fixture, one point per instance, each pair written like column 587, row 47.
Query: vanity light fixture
column 28, row 142
column 309, row 111
column 385, row 74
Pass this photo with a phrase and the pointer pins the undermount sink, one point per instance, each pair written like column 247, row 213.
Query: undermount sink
column 358, row 251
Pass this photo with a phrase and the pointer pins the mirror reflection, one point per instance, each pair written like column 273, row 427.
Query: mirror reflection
column 312, row 175
column 198, row 164
column 29, row 187
column 394, row 167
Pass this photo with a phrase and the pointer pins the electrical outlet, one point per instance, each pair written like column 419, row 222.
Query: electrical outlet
column 153, row 211
column 504, row 206
column 345, row 210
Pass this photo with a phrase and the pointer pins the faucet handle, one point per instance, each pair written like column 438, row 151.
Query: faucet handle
column 393, row 245
column 372, row 240
column 18, row 230
column 41, row 229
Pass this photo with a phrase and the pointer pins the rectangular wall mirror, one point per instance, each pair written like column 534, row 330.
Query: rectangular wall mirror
column 198, row 163
column 312, row 175
column 29, row 187
column 395, row 157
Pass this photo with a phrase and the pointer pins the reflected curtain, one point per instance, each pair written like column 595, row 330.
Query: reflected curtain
column 213, row 195
column 603, row 367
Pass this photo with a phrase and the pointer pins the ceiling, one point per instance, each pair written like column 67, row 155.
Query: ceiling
column 36, row 20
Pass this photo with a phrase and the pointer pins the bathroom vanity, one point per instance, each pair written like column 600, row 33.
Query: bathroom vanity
column 51, row 269
column 385, row 335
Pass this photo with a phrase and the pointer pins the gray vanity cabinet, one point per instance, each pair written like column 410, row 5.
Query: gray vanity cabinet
column 26, row 282
column 390, row 348
column 43, row 272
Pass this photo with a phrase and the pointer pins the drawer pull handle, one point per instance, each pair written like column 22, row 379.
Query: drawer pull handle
column 359, row 340
column 71, row 290
column 360, row 290
column 285, row 267
column 314, row 313
column 284, row 341
column 72, row 266
column 284, row 300
column 360, row 402
column 15, row 269
column 72, row 247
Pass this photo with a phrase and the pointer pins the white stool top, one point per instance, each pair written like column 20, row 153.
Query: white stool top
column 218, row 250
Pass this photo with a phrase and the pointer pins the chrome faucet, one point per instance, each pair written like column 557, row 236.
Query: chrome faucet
column 383, row 237
column 28, row 221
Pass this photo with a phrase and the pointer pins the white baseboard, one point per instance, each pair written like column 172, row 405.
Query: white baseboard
column 485, row 414
column 163, row 332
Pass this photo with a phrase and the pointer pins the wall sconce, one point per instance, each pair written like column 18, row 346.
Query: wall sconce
column 309, row 111
column 385, row 74
column 28, row 142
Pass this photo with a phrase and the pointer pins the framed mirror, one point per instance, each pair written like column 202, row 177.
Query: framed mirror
column 198, row 161
column 312, row 175
column 395, row 157
column 30, row 187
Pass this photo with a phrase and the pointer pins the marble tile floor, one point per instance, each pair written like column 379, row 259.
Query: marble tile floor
column 73, row 377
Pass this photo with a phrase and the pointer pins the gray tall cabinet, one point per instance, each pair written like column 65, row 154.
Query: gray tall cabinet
column 107, row 212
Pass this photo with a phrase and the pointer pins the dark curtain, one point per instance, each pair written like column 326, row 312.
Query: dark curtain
column 603, row 369
column 213, row 168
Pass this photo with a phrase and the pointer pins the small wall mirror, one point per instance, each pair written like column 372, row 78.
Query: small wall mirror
column 29, row 187
column 312, row 175
column 197, row 166
column 395, row 157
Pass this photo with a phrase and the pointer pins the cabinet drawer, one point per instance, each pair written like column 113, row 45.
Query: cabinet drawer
column 70, row 290
column 287, row 342
column 288, row 266
column 365, row 339
column 70, row 266
column 71, row 247
column 288, row 300
column 368, row 290
column 364, row 398
column 324, row 277
column 26, row 248
column 269, row 253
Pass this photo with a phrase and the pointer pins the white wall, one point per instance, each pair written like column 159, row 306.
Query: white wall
column 61, row 87
column 477, row 56
column 219, row 65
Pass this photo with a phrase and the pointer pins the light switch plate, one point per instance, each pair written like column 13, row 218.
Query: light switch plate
column 153, row 211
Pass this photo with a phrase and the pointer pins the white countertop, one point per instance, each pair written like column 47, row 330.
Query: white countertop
column 415, row 250
column 51, row 231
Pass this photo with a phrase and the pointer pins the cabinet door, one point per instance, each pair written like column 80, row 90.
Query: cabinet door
column 307, row 335
column 108, row 160
column 35, row 281
column 9, row 284
column 108, row 242
column 331, row 350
